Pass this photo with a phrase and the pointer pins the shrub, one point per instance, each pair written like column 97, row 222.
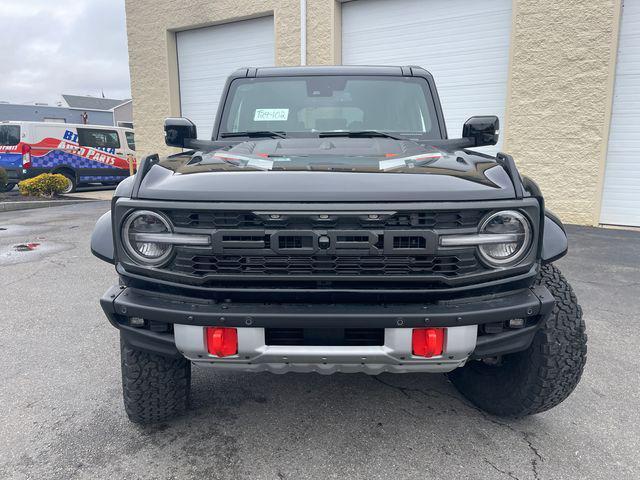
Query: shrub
column 4, row 179
column 44, row 185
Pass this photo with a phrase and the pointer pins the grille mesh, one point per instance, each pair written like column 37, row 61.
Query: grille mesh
column 202, row 265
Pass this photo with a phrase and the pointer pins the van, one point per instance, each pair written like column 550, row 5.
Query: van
column 82, row 153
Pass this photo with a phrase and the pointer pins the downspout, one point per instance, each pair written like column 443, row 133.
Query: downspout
column 303, row 32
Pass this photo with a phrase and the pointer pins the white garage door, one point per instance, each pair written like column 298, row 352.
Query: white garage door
column 464, row 44
column 621, row 194
column 206, row 57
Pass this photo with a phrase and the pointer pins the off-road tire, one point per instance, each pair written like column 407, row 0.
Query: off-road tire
column 155, row 388
column 540, row 377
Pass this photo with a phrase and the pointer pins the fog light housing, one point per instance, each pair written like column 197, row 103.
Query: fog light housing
column 427, row 342
column 222, row 341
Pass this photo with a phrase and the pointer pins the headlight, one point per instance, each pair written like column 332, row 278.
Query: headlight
column 512, row 226
column 138, row 232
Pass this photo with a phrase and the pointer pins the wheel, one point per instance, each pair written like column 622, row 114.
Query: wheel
column 71, row 186
column 8, row 187
column 155, row 388
column 540, row 377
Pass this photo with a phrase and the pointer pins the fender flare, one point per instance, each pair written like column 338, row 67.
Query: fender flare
column 554, row 241
column 102, row 239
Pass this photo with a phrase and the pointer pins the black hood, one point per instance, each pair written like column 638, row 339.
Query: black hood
column 328, row 170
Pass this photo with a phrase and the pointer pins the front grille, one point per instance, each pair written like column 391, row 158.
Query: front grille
column 335, row 245
column 197, row 264
column 351, row 337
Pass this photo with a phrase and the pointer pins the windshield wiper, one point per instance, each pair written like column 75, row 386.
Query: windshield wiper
column 362, row 133
column 255, row 133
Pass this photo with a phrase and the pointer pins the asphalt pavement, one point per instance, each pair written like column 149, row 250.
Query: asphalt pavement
column 61, row 414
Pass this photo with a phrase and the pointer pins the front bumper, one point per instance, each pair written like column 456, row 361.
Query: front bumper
column 463, row 319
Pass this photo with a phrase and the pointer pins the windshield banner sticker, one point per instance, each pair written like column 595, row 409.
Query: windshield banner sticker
column 271, row 115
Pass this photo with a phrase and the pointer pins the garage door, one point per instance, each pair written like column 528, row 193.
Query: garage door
column 621, row 194
column 206, row 57
column 464, row 44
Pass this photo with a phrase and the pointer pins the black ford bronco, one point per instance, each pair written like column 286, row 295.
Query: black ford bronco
column 331, row 225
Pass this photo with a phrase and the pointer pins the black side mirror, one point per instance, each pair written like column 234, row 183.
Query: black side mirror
column 482, row 130
column 178, row 131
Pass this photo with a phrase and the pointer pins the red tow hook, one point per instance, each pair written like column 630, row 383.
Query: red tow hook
column 222, row 341
column 427, row 342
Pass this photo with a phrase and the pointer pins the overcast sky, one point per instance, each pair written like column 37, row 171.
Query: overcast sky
column 50, row 47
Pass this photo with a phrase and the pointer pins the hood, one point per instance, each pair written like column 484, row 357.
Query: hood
column 328, row 170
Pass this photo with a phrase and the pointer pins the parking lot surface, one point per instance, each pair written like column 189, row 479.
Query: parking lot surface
column 62, row 414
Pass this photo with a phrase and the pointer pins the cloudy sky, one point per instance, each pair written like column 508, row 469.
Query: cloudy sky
column 50, row 47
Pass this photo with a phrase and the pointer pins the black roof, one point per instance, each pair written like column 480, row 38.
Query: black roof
column 332, row 70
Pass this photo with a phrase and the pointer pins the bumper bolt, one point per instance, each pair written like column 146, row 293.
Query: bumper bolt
column 249, row 321
column 400, row 322
column 530, row 311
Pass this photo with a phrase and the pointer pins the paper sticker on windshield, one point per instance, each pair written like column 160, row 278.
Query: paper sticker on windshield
column 271, row 115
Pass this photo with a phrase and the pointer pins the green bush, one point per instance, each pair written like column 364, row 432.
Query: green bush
column 4, row 179
column 44, row 185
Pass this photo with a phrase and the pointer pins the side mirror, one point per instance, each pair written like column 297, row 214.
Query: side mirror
column 482, row 130
column 178, row 131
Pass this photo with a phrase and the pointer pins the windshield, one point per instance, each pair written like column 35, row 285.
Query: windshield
column 309, row 106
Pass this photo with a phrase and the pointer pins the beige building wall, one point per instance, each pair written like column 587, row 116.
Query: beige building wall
column 559, row 102
column 559, row 97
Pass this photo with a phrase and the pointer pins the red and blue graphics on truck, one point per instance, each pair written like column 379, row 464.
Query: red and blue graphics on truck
column 50, row 153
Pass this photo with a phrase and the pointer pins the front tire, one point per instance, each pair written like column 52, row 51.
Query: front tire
column 7, row 188
column 155, row 388
column 540, row 377
column 71, row 185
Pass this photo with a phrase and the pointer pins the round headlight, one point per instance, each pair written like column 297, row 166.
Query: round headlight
column 138, row 231
column 514, row 226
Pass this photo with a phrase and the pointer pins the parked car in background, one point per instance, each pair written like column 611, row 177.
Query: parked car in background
column 82, row 153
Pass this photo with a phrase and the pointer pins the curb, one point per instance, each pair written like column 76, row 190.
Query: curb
column 14, row 206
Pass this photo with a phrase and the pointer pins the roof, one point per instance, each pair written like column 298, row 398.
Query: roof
column 383, row 70
column 92, row 103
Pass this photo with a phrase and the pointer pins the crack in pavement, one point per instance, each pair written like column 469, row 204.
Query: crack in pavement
column 525, row 436
column 505, row 472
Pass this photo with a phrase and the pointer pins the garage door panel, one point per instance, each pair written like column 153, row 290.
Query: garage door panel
column 442, row 36
column 206, row 57
column 621, row 190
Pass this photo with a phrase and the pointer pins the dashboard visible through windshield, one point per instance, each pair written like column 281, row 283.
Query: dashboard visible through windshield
column 312, row 106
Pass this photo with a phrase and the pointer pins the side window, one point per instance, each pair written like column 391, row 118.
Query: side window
column 9, row 135
column 90, row 137
column 130, row 140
